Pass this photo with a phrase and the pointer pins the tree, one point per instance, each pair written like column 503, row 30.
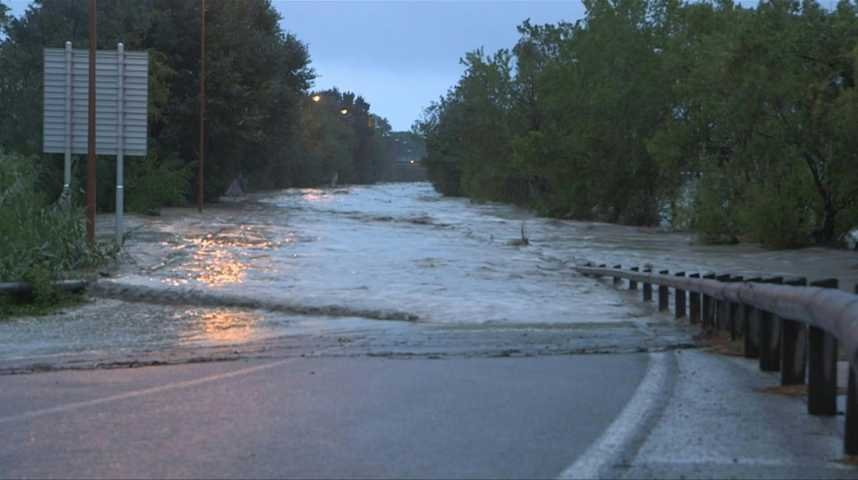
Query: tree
column 737, row 122
column 765, row 115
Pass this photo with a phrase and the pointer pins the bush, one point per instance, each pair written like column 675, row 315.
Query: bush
column 776, row 209
column 153, row 183
column 715, row 209
column 779, row 213
column 41, row 241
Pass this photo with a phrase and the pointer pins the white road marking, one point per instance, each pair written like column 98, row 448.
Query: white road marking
column 616, row 438
column 139, row 393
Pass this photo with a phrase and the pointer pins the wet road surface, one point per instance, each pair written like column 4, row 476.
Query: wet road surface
column 330, row 418
column 678, row 414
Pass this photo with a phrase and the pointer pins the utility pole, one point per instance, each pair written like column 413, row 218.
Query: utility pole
column 90, row 173
column 202, row 107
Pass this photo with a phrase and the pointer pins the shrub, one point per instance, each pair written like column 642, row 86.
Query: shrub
column 153, row 183
column 715, row 209
column 779, row 212
column 42, row 241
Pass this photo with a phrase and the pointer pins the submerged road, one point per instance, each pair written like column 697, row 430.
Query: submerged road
column 385, row 331
column 324, row 417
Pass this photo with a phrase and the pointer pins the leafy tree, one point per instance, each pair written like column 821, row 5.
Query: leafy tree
column 257, row 120
column 740, row 120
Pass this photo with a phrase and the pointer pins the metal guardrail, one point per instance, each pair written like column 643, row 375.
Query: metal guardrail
column 790, row 327
column 24, row 288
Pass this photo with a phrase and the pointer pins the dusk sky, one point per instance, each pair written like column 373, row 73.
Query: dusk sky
column 401, row 55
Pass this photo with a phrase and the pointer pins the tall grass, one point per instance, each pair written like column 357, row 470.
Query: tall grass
column 41, row 239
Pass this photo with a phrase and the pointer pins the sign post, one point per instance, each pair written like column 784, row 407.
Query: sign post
column 120, row 142
column 121, row 86
column 90, row 133
column 68, row 113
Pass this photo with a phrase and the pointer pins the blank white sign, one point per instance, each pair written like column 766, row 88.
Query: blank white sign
column 107, row 101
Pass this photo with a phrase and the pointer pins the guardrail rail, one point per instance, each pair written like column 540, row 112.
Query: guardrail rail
column 791, row 326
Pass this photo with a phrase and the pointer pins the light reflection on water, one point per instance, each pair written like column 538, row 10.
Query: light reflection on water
column 315, row 195
column 223, row 258
column 226, row 326
column 216, row 266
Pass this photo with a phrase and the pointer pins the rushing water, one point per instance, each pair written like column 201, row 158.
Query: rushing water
column 333, row 260
column 397, row 250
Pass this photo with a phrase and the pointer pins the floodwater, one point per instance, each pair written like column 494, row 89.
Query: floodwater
column 398, row 260
column 397, row 250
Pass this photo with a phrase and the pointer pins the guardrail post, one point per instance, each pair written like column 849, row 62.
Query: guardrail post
column 769, row 336
column 850, row 437
column 718, row 306
column 647, row 287
column 749, row 326
column 617, row 279
column 822, row 365
column 706, row 311
column 679, row 299
column 663, row 301
column 633, row 285
column 793, row 345
column 694, row 302
column 732, row 312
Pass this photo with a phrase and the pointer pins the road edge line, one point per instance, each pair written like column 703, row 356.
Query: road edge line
column 623, row 432
column 140, row 393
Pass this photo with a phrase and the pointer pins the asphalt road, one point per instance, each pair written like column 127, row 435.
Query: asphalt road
column 315, row 417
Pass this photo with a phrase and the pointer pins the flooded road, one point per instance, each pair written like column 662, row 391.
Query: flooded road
column 385, row 268
column 394, row 251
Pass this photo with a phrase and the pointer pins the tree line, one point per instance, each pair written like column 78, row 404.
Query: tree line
column 739, row 123
column 262, row 122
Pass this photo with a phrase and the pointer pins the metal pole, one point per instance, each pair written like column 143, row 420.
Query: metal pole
column 679, row 300
column 822, row 365
column 850, row 437
column 663, row 292
column 694, row 303
column 750, row 326
column 120, row 142
column 733, row 311
column 647, row 287
column 769, row 336
column 202, row 107
column 68, row 139
column 793, row 346
column 90, row 174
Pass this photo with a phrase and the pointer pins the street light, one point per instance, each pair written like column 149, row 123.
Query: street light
column 344, row 111
column 316, row 98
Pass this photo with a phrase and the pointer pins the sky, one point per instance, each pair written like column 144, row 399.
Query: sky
column 402, row 55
